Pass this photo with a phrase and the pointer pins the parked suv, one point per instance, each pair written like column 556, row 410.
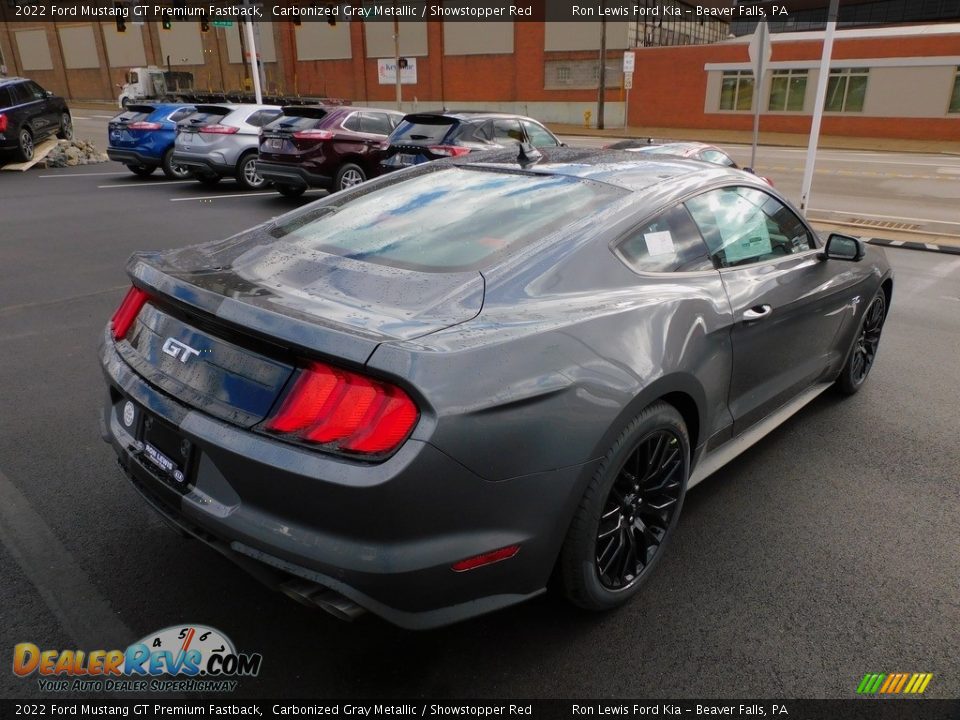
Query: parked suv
column 30, row 114
column 422, row 137
column 219, row 141
column 142, row 138
column 324, row 146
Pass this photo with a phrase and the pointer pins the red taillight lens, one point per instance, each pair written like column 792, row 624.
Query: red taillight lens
column 449, row 150
column 144, row 126
column 345, row 411
column 486, row 559
column 219, row 129
column 130, row 307
column 4, row 122
column 313, row 135
column 768, row 181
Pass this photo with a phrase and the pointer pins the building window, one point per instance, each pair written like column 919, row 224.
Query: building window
column 736, row 90
column 563, row 74
column 787, row 89
column 955, row 98
column 846, row 90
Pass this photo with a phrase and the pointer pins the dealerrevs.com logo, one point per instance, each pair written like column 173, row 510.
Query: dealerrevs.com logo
column 180, row 658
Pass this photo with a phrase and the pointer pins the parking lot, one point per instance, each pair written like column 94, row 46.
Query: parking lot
column 827, row 551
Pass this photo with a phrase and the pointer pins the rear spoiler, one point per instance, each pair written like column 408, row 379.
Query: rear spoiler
column 310, row 111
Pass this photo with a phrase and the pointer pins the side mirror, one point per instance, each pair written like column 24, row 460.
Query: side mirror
column 843, row 247
column 48, row 93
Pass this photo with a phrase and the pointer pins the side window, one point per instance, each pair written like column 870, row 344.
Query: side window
column 353, row 123
column 20, row 94
column 375, row 123
column 668, row 243
column 483, row 132
column 742, row 226
column 35, row 91
column 538, row 135
column 715, row 156
column 507, row 131
column 5, row 99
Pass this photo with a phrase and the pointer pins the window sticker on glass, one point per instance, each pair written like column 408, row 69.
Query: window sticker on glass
column 659, row 243
column 751, row 241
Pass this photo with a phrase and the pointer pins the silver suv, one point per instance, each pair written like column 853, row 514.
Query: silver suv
column 219, row 141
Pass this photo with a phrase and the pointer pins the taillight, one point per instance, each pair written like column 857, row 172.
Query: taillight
column 344, row 411
column 449, row 150
column 130, row 307
column 768, row 181
column 144, row 126
column 313, row 135
column 4, row 122
column 219, row 129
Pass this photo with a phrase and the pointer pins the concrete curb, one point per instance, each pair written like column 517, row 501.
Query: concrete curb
column 910, row 245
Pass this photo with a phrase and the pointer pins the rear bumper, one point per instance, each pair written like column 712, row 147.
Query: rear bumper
column 202, row 164
column 295, row 175
column 131, row 157
column 383, row 535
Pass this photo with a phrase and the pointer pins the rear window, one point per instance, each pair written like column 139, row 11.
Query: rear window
column 181, row 114
column 131, row 116
column 449, row 220
column 200, row 117
column 416, row 132
column 294, row 123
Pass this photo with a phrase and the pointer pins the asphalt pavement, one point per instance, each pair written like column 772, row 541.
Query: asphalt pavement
column 827, row 551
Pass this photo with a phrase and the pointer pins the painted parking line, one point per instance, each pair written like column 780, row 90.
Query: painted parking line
column 145, row 184
column 85, row 615
column 884, row 217
column 223, row 197
column 73, row 175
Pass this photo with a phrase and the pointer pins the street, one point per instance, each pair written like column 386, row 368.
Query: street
column 827, row 551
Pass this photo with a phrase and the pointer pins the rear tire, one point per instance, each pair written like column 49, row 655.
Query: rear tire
column 25, row 147
column 247, row 174
column 142, row 170
column 348, row 175
column 628, row 512
column 209, row 180
column 291, row 191
column 172, row 170
column 864, row 350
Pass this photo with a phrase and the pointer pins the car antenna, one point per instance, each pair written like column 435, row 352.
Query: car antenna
column 528, row 155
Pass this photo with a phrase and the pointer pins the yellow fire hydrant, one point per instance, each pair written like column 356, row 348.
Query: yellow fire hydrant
column 587, row 114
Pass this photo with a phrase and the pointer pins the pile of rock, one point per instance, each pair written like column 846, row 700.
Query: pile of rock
column 69, row 153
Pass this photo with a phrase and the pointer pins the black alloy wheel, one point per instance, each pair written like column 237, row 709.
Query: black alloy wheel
column 639, row 510
column 25, row 145
column 628, row 511
column 864, row 351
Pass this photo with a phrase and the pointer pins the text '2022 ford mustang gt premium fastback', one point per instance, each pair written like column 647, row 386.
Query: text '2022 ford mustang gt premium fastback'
column 426, row 395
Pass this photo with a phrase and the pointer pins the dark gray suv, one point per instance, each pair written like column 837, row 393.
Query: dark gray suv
column 28, row 115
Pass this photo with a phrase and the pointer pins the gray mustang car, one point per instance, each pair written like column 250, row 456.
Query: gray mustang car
column 427, row 395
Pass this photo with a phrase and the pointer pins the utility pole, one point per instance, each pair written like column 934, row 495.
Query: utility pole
column 818, row 107
column 602, row 79
column 396, row 60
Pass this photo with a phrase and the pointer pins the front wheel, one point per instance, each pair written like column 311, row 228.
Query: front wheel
column 864, row 352
column 25, row 145
column 172, row 170
column 247, row 174
column 628, row 511
column 142, row 170
column 66, row 127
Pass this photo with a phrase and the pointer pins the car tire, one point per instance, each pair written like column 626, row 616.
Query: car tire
column 865, row 345
column 209, row 180
column 25, row 147
column 348, row 175
column 291, row 191
column 247, row 174
column 142, row 170
column 172, row 170
column 66, row 127
column 629, row 510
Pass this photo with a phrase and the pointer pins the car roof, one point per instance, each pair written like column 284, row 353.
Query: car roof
column 11, row 80
column 630, row 171
column 469, row 114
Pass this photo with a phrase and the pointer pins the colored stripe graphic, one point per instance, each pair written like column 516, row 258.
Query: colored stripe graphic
column 894, row 683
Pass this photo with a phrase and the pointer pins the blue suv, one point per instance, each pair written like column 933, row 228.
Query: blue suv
column 142, row 138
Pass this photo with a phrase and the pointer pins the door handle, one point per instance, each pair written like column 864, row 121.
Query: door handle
column 757, row 312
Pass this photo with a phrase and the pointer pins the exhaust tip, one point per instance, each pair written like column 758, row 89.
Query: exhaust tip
column 314, row 595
